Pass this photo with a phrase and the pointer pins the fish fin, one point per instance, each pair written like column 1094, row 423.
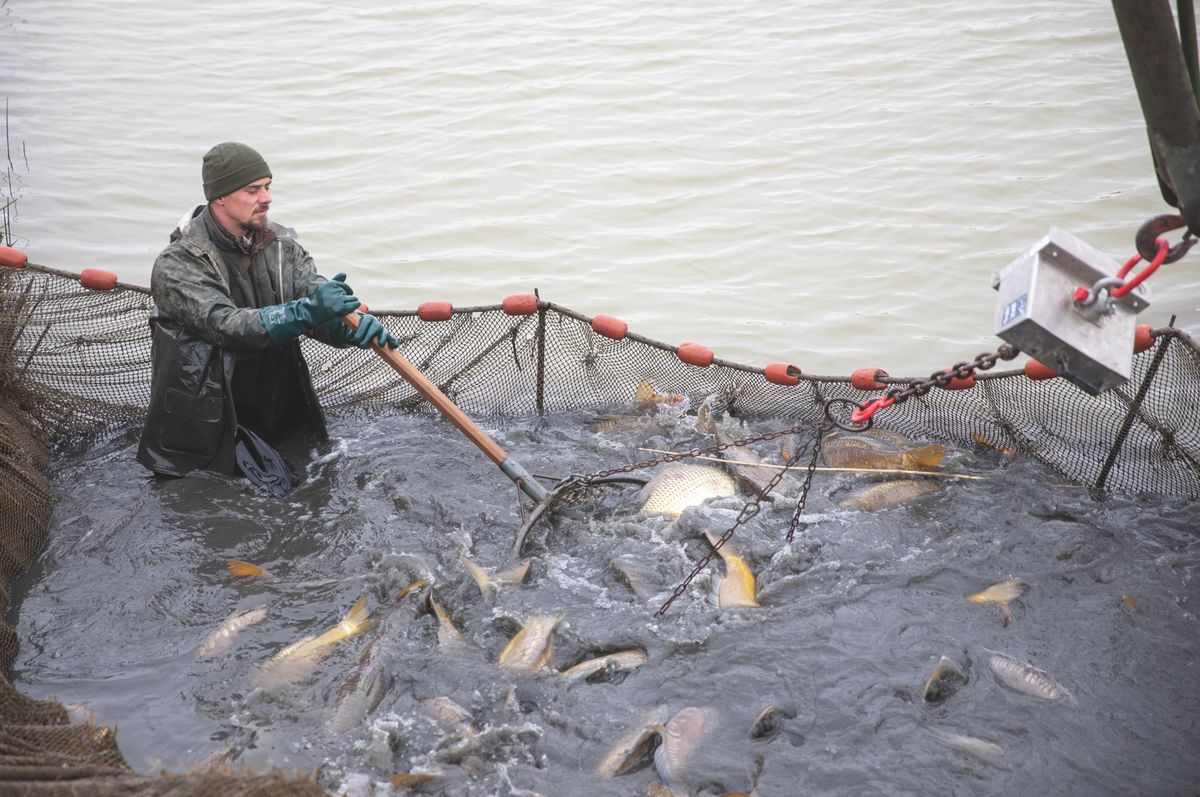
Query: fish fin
column 1008, row 615
column 929, row 456
column 547, row 657
column 714, row 590
column 239, row 568
column 662, row 761
column 506, row 655
column 439, row 611
column 1000, row 592
column 448, row 632
column 407, row 780
column 516, row 574
column 482, row 579
column 644, row 397
column 356, row 619
column 725, row 551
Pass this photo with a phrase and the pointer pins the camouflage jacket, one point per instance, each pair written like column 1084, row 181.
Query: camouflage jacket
column 197, row 333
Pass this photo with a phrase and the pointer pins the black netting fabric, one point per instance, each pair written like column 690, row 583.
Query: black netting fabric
column 85, row 355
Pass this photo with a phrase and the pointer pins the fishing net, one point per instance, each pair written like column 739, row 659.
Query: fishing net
column 75, row 363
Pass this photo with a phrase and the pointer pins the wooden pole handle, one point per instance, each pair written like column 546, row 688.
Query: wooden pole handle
column 435, row 397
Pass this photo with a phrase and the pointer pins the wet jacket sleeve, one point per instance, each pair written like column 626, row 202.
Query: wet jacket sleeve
column 304, row 271
column 305, row 280
column 192, row 292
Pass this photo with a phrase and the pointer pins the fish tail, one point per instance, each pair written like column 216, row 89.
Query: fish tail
column 356, row 620
column 516, row 574
column 547, row 657
column 929, row 456
column 239, row 568
column 725, row 551
column 482, row 579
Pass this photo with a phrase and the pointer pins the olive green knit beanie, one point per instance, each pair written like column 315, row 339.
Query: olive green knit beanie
column 230, row 166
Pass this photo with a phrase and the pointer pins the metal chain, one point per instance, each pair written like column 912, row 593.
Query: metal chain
column 809, row 471
column 918, row 387
column 961, row 370
column 753, row 506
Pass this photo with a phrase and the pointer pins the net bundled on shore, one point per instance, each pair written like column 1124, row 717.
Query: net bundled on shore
column 75, row 363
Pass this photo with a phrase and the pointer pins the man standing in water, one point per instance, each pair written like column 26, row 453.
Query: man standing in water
column 233, row 293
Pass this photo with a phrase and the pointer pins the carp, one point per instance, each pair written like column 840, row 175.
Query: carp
column 747, row 466
column 240, row 569
column 221, row 639
column 532, row 648
column 870, row 452
column 982, row 749
column 767, row 724
column 944, row 681
column 1024, row 678
column 891, row 493
column 737, row 588
column 646, row 397
column 680, row 738
column 679, row 485
column 633, row 748
column 361, row 692
column 1001, row 594
column 297, row 661
column 618, row 661
column 449, row 713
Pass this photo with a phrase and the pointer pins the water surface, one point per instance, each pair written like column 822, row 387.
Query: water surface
column 854, row 614
column 825, row 183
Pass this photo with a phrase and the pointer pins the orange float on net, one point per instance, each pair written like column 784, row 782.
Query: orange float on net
column 868, row 379
column 435, row 311
column 97, row 279
column 1037, row 370
column 1143, row 338
column 695, row 354
column 521, row 304
column 609, row 326
column 782, row 374
column 959, row 383
column 12, row 258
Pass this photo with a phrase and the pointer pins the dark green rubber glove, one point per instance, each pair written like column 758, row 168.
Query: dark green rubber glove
column 370, row 329
column 289, row 320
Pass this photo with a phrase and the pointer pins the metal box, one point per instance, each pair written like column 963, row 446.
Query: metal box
column 1036, row 311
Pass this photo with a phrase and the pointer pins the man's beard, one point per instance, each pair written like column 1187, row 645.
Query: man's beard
column 257, row 222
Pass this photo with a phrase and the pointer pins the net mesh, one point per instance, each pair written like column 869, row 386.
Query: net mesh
column 75, row 363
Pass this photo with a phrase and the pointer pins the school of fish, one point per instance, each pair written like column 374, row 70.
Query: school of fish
column 670, row 741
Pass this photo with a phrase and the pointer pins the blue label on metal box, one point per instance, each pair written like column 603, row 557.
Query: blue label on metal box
column 1014, row 309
